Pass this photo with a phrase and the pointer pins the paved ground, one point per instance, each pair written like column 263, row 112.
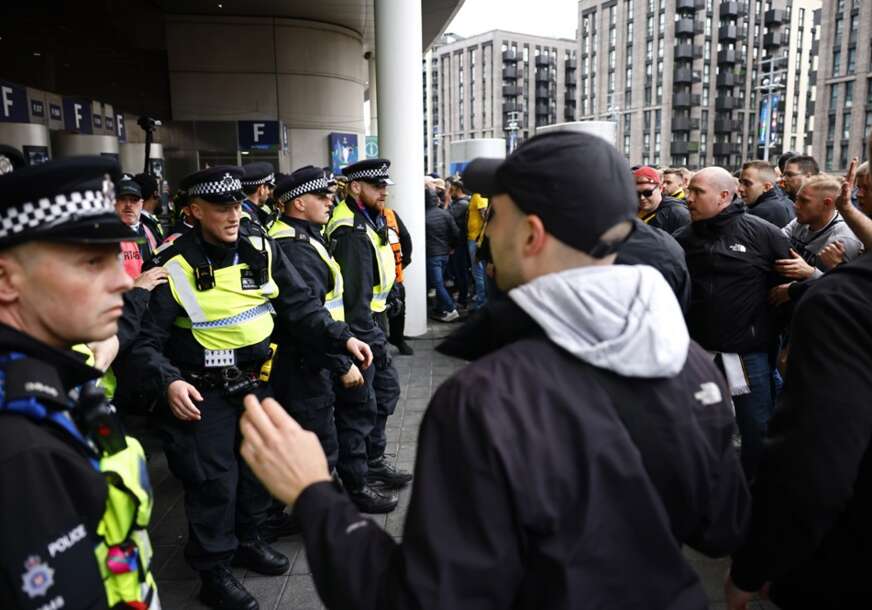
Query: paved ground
column 420, row 375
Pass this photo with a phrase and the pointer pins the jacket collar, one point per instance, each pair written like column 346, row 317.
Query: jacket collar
column 310, row 229
column 711, row 226
column 70, row 366
column 497, row 324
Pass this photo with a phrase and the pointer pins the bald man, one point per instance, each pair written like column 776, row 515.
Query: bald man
column 731, row 255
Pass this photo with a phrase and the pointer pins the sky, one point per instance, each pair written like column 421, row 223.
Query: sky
column 555, row 18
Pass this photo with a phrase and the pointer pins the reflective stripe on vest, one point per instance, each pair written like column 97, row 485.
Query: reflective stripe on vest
column 394, row 239
column 226, row 316
column 332, row 300
column 124, row 552
column 384, row 255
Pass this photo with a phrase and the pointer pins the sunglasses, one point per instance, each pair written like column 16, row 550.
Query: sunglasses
column 646, row 194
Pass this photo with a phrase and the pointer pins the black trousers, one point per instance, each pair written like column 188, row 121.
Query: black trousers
column 397, row 314
column 224, row 501
column 307, row 395
column 386, row 384
column 355, row 415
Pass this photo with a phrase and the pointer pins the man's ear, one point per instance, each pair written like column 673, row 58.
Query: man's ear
column 536, row 236
column 196, row 210
column 11, row 273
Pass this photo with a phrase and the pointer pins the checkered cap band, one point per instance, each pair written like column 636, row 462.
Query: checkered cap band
column 318, row 184
column 370, row 174
column 31, row 215
column 228, row 184
column 259, row 181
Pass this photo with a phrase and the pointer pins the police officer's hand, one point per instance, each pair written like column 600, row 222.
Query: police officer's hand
column 181, row 396
column 779, row 294
column 353, row 378
column 104, row 352
column 360, row 351
column 151, row 278
column 285, row 458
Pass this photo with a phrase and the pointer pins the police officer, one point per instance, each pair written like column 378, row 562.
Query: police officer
column 258, row 182
column 359, row 241
column 152, row 211
column 202, row 349
column 74, row 493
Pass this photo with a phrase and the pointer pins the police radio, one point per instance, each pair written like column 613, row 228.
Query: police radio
column 97, row 418
column 204, row 277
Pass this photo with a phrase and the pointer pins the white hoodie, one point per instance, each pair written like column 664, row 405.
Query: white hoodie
column 618, row 317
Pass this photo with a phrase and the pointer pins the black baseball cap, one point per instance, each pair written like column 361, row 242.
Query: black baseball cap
column 128, row 186
column 577, row 183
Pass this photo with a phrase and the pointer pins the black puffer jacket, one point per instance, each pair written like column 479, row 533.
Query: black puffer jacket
column 458, row 210
column 730, row 258
column 671, row 215
column 774, row 206
column 442, row 232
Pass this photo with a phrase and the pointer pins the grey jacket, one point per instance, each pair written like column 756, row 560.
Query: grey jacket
column 809, row 243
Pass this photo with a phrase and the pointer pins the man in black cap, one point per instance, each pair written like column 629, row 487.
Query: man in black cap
column 258, row 181
column 151, row 203
column 567, row 465
column 201, row 349
column 359, row 240
column 300, row 379
column 128, row 206
column 74, row 491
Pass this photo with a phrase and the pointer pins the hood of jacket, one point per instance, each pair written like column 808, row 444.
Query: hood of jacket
column 622, row 318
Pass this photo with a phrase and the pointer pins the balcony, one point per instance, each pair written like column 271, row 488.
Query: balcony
column 809, row 107
column 728, row 32
column 542, row 76
column 684, row 148
column 543, row 93
column 571, row 84
column 687, row 52
column 542, row 109
column 682, row 76
column 727, row 126
column 726, row 103
column 511, row 91
column 688, row 27
column 511, row 107
column 544, row 60
column 774, row 40
column 774, row 16
column 569, row 99
column 510, row 73
column 510, row 56
column 812, row 79
column 571, row 64
column 727, row 57
column 726, row 80
column 684, row 123
column 685, row 100
column 732, row 10
column 725, row 149
column 689, row 5
column 569, row 113
column 815, row 46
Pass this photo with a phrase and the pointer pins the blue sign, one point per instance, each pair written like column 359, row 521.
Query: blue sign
column 343, row 150
column 37, row 108
column 258, row 134
column 13, row 103
column 120, row 128
column 372, row 147
column 458, row 167
column 54, row 112
column 77, row 114
column 769, row 119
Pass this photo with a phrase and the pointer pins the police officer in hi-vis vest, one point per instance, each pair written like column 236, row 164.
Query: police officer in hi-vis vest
column 359, row 242
column 202, row 348
column 74, row 493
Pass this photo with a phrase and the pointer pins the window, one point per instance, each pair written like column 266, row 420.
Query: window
column 843, row 155
column 627, row 145
column 852, row 59
column 834, row 97
column 849, row 95
column 831, row 127
column 846, row 126
column 837, row 61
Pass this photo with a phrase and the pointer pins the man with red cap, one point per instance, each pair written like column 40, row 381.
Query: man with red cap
column 655, row 208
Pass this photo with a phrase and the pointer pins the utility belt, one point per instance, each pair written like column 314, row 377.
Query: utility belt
column 231, row 380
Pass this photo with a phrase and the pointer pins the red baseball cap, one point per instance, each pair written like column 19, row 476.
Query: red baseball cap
column 647, row 174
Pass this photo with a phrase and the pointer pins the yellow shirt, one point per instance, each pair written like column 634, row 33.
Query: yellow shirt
column 475, row 217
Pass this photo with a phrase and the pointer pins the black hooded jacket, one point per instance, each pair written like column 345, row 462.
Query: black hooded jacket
column 671, row 215
column 774, row 206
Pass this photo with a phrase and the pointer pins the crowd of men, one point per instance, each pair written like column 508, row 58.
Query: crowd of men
column 643, row 348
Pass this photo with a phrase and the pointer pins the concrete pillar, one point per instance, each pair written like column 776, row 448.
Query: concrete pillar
column 373, row 97
column 398, row 57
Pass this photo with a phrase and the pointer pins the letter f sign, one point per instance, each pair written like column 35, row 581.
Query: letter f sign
column 7, row 100
column 258, row 131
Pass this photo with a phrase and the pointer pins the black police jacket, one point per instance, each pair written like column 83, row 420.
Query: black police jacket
column 671, row 215
column 731, row 258
column 774, row 206
column 531, row 493
column 648, row 245
column 162, row 350
column 812, row 495
column 318, row 278
column 51, row 499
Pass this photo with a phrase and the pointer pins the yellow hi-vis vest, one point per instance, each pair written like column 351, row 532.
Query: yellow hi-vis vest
column 226, row 316
column 333, row 299
column 108, row 381
column 384, row 255
column 124, row 551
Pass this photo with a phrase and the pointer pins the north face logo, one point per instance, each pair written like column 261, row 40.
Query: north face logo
column 738, row 248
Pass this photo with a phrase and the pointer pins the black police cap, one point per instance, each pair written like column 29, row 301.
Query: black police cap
column 374, row 171
column 128, row 186
column 68, row 199
column 219, row 184
column 577, row 183
column 308, row 179
column 255, row 174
